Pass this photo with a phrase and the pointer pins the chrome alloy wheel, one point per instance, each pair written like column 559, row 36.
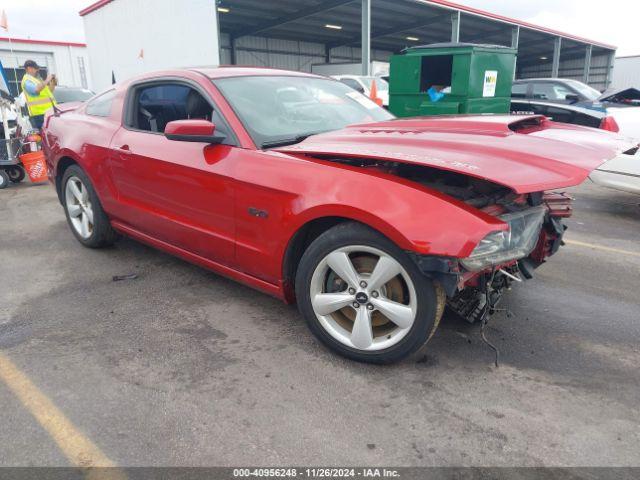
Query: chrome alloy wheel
column 363, row 298
column 79, row 207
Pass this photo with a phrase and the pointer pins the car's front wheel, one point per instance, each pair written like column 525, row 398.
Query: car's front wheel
column 88, row 221
column 364, row 297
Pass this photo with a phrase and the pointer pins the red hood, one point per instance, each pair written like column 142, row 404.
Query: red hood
column 524, row 153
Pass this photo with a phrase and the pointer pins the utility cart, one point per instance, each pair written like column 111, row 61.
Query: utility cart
column 11, row 170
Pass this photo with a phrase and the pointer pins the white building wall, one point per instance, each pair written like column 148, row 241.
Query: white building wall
column 170, row 33
column 66, row 61
column 627, row 72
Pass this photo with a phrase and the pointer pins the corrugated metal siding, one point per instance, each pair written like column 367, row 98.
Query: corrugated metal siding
column 573, row 68
column 288, row 54
column 627, row 72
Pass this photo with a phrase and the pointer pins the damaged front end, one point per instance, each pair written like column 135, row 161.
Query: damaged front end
column 475, row 285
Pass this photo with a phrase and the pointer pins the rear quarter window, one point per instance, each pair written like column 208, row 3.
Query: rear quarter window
column 101, row 105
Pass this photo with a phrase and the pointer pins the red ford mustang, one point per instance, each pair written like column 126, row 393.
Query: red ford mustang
column 305, row 189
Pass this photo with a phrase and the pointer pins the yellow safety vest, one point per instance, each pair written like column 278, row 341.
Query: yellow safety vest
column 37, row 104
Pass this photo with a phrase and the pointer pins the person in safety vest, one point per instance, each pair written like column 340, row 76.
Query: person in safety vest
column 39, row 94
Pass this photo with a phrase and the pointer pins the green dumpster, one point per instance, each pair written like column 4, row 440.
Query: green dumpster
column 473, row 78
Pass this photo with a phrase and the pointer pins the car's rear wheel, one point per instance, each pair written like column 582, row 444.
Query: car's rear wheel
column 364, row 297
column 85, row 215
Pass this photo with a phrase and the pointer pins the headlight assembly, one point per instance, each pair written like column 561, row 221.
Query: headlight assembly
column 512, row 244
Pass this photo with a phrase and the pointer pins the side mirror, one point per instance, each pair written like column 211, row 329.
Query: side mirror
column 572, row 98
column 202, row 131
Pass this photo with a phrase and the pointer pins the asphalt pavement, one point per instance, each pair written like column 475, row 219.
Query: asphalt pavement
column 182, row 367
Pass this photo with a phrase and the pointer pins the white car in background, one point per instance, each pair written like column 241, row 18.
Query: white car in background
column 621, row 173
column 628, row 120
column 364, row 84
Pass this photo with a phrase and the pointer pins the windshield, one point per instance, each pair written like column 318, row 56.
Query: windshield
column 381, row 83
column 66, row 95
column 586, row 90
column 285, row 109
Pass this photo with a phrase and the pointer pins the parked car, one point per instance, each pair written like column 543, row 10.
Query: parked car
column 564, row 113
column 570, row 101
column 364, row 84
column 300, row 187
column 621, row 173
column 565, row 90
column 64, row 94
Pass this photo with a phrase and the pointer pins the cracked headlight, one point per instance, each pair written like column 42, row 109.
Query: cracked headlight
column 512, row 244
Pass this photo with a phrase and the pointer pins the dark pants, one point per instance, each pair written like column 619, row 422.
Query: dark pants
column 37, row 121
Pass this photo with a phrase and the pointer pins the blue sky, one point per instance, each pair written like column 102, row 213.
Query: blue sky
column 614, row 22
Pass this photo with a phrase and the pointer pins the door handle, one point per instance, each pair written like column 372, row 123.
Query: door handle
column 123, row 149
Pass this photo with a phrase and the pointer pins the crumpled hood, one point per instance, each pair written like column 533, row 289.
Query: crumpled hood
column 525, row 153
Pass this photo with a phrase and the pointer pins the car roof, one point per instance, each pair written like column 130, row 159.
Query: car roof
column 214, row 73
column 234, row 71
column 66, row 87
column 527, row 80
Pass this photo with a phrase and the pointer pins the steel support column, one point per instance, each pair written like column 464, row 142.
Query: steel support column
column 515, row 43
column 327, row 53
column 611, row 58
column 365, row 42
column 232, row 51
column 455, row 27
column 557, row 48
column 587, row 64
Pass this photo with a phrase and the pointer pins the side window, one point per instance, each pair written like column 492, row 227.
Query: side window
column 156, row 105
column 560, row 115
column 519, row 90
column 521, row 108
column 550, row 91
column 101, row 105
column 539, row 109
column 586, row 120
column 350, row 82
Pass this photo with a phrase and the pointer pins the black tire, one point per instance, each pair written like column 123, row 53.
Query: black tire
column 430, row 295
column 16, row 174
column 4, row 180
column 102, row 235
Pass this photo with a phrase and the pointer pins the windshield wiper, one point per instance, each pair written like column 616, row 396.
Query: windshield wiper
column 288, row 141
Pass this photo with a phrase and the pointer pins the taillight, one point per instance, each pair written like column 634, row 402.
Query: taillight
column 609, row 123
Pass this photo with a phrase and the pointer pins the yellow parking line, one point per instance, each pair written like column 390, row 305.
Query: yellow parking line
column 80, row 451
column 601, row 247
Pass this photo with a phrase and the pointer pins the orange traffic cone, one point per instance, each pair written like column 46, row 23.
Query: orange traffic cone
column 373, row 95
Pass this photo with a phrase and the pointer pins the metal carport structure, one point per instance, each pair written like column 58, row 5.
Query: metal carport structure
column 297, row 33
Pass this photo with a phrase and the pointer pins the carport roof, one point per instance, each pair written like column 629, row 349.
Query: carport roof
column 394, row 24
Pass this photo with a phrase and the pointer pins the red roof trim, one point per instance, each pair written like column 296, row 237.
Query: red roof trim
column 94, row 6
column 447, row 4
column 43, row 42
column 494, row 16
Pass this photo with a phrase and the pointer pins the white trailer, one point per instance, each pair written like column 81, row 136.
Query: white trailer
column 626, row 72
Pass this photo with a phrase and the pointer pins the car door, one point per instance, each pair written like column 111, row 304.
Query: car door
column 176, row 192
